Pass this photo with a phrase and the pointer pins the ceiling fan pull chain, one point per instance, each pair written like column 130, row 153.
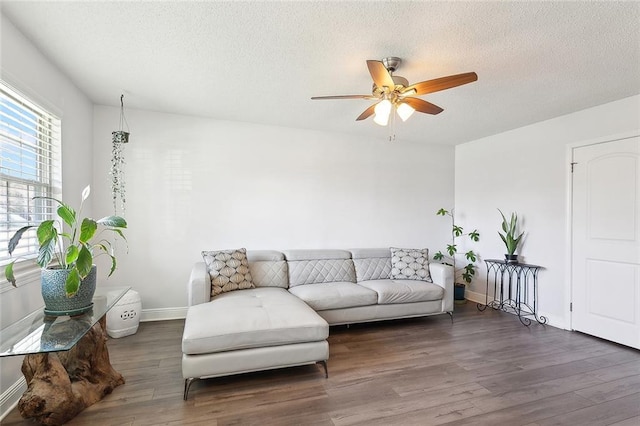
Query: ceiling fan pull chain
column 392, row 128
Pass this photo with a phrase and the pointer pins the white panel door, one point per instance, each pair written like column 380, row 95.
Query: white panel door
column 606, row 241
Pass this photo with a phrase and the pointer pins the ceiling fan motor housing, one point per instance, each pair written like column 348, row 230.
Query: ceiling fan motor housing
column 391, row 63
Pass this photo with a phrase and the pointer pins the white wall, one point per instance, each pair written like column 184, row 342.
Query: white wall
column 197, row 184
column 526, row 170
column 25, row 68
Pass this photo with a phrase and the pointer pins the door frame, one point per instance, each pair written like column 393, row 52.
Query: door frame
column 571, row 147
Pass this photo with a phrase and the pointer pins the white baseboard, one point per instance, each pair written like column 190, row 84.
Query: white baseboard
column 552, row 320
column 9, row 398
column 555, row 321
column 163, row 314
column 474, row 297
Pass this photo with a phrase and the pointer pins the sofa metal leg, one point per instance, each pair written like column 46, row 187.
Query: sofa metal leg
column 326, row 369
column 187, row 384
column 451, row 315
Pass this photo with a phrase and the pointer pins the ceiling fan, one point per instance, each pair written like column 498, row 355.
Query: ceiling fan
column 392, row 91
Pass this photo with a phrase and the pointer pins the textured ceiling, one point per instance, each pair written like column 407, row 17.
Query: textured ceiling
column 261, row 62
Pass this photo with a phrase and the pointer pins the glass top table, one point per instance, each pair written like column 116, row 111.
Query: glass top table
column 37, row 333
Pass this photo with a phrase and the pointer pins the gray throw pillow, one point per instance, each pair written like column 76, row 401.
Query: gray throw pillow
column 228, row 270
column 410, row 264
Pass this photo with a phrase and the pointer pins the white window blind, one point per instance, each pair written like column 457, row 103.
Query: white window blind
column 30, row 166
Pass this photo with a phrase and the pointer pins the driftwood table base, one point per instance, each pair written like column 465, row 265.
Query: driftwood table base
column 62, row 384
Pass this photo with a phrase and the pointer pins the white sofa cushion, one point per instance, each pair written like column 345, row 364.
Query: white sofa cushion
column 250, row 319
column 372, row 263
column 228, row 269
column 269, row 273
column 319, row 266
column 404, row 291
column 410, row 264
column 268, row 268
column 334, row 295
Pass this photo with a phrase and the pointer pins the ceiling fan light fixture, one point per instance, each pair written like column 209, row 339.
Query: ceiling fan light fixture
column 405, row 111
column 383, row 111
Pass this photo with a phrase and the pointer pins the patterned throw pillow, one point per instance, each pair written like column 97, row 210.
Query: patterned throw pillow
column 410, row 264
column 228, row 270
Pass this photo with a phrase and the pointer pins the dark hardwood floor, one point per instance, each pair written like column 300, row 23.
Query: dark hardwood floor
column 482, row 369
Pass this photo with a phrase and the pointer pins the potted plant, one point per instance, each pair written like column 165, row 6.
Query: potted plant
column 469, row 270
column 509, row 237
column 66, row 252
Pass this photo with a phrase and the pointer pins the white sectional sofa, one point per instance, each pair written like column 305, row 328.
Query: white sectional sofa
column 284, row 321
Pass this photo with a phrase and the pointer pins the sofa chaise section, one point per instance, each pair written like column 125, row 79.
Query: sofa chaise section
column 250, row 330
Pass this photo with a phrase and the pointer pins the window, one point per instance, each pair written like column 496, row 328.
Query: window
column 29, row 167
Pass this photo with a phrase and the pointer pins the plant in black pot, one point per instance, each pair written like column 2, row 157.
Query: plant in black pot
column 509, row 227
column 67, row 247
column 469, row 270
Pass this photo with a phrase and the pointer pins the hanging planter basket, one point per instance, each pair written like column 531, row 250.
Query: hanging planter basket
column 120, row 136
column 55, row 297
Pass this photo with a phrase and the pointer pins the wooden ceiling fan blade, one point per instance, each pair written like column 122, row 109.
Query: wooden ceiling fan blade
column 442, row 83
column 422, row 106
column 367, row 112
column 344, row 97
column 380, row 75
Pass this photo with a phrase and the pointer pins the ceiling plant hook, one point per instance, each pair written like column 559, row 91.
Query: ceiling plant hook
column 123, row 121
column 123, row 134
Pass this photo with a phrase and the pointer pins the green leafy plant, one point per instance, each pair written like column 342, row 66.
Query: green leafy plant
column 72, row 246
column 510, row 230
column 469, row 270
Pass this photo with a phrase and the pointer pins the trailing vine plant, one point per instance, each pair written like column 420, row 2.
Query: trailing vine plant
column 117, row 176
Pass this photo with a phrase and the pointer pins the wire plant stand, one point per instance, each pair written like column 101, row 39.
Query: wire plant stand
column 515, row 290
